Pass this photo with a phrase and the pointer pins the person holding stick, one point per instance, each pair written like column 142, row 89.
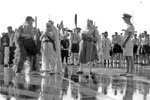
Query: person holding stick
column 88, row 50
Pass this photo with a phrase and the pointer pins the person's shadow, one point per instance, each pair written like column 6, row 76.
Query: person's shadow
column 89, row 81
column 51, row 88
column 130, row 86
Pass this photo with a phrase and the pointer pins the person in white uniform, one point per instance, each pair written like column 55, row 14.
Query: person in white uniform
column 128, row 44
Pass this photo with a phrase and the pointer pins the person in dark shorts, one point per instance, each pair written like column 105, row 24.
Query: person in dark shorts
column 146, row 47
column 117, row 49
column 75, row 40
column 136, row 44
column 65, row 48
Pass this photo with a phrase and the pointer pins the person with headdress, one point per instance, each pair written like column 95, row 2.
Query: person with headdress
column 128, row 44
column 26, row 46
column 48, row 49
column 51, row 50
column 59, row 69
column 88, row 50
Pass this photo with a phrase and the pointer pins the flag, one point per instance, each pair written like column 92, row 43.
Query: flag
column 75, row 20
column 61, row 25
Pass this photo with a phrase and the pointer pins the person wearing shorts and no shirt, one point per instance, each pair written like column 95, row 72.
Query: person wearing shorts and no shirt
column 75, row 40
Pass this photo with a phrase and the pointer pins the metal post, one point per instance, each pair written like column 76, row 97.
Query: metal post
column 36, row 22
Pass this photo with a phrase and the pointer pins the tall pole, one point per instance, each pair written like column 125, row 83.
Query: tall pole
column 133, row 17
column 36, row 22
column 48, row 17
column 75, row 20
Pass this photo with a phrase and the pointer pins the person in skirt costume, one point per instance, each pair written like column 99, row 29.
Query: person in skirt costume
column 88, row 50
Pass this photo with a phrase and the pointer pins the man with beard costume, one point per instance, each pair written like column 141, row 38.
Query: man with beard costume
column 26, row 46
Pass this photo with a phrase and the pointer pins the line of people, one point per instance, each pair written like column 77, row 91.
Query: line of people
column 57, row 45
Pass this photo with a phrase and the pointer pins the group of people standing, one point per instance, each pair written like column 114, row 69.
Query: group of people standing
column 57, row 45
column 28, row 44
column 20, row 45
column 94, row 48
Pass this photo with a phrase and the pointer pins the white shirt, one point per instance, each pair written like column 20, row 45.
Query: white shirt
column 11, row 36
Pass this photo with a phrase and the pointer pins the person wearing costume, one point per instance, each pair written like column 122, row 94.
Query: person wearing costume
column 51, row 50
column 88, row 50
column 59, row 68
column 26, row 46
column 48, row 49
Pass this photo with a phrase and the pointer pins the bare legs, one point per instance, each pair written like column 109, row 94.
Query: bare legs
column 130, row 64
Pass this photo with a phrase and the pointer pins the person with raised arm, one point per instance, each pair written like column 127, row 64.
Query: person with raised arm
column 75, row 41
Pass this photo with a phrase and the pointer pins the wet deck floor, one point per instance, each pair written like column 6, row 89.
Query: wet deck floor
column 105, row 84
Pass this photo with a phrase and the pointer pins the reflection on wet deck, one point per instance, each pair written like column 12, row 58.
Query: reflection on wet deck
column 76, row 87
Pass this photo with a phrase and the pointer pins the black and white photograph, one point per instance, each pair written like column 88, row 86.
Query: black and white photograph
column 74, row 50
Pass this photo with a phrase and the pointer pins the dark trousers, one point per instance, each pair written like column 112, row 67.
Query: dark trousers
column 11, row 56
column 27, row 48
column 64, row 55
column 33, row 67
column 22, row 58
column 2, row 55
